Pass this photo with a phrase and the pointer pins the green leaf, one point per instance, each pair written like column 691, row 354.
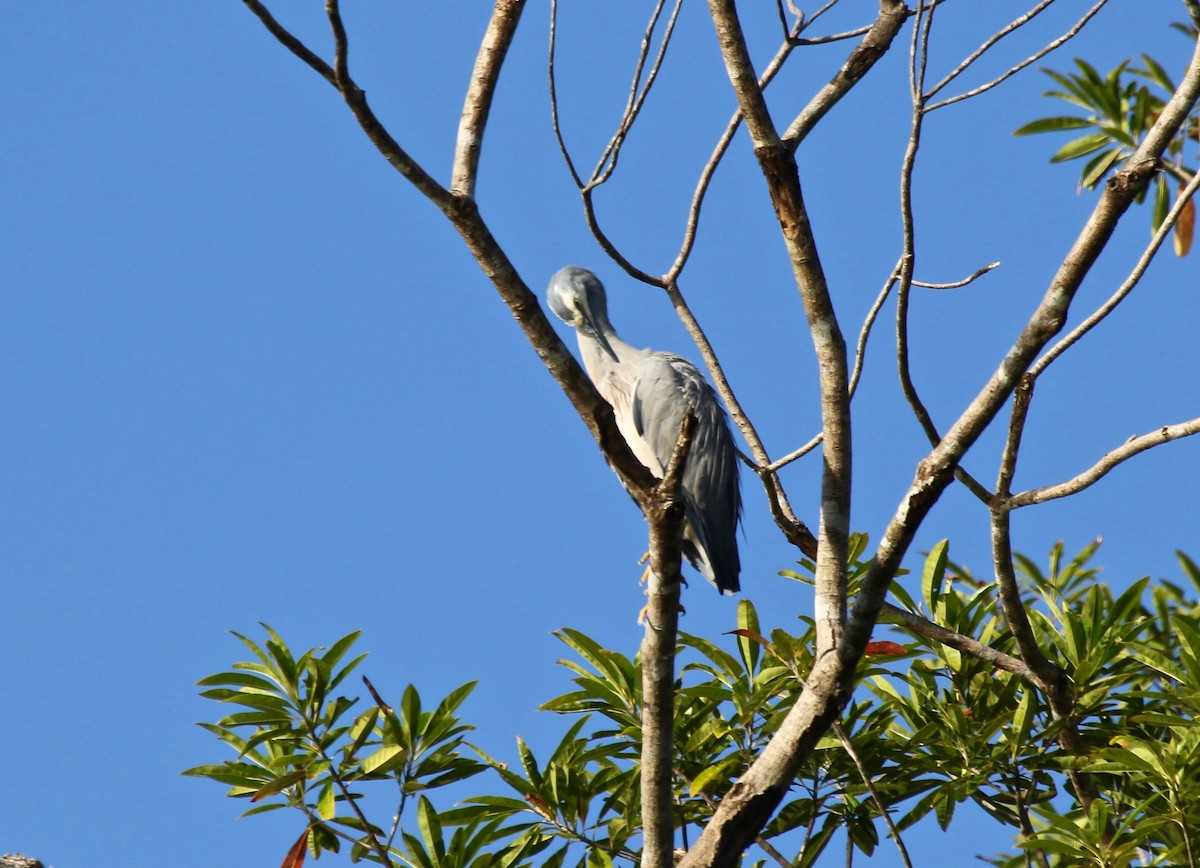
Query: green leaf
column 279, row 784
column 934, row 575
column 1079, row 147
column 386, row 758
column 1053, row 124
column 431, row 829
column 325, row 802
column 747, row 619
column 713, row 774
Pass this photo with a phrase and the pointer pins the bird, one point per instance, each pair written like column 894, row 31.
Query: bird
column 650, row 393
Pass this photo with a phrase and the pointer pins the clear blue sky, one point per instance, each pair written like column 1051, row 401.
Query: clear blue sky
column 248, row 374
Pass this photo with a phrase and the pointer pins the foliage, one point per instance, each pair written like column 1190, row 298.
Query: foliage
column 1119, row 109
column 933, row 727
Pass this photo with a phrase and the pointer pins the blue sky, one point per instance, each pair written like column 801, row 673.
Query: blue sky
column 249, row 375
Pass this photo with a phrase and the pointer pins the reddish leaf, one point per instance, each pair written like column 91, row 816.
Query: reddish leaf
column 756, row 637
column 383, row 706
column 540, row 806
column 885, row 649
column 295, row 856
column 1185, row 228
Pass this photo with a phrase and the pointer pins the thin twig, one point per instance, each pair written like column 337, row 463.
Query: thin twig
column 290, row 42
column 914, row 623
column 637, row 97
column 554, row 119
column 1014, row 25
column 1034, row 58
column 957, row 283
column 832, row 37
column 1181, row 201
column 1131, row 447
column 918, row 56
column 879, row 803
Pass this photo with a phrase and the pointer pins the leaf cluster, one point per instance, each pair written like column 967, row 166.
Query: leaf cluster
column 929, row 729
column 1119, row 108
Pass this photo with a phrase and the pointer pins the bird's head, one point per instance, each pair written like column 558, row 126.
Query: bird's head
column 577, row 298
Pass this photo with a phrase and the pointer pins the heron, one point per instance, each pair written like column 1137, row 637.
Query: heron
column 650, row 393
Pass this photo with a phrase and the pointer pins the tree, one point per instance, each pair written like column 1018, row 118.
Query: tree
column 1046, row 659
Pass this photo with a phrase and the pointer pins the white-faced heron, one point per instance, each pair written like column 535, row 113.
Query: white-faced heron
column 650, row 393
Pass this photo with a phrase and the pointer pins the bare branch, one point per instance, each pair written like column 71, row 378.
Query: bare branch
column 914, row 623
column 918, row 54
column 778, row 165
column 833, row 37
column 1014, row 25
column 741, row 74
column 873, row 46
column 879, row 802
column 637, row 98
column 478, row 102
column 710, row 168
column 1160, row 236
column 341, row 73
column 796, row 530
column 958, row 283
column 908, row 223
column 1131, row 447
column 554, row 120
column 1034, row 58
column 290, row 42
column 666, row 518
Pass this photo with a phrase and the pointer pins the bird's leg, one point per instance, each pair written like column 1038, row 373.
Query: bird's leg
column 644, row 612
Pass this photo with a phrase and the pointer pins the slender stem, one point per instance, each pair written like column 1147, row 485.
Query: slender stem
column 637, row 96
column 290, row 42
column 879, row 802
column 1127, row 286
column 554, row 119
column 1034, row 58
column 1131, row 447
column 987, row 44
column 956, row 284
column 873, row 46
column 914, row 623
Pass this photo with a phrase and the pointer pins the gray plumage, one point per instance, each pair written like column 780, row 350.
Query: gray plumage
column 650, row 393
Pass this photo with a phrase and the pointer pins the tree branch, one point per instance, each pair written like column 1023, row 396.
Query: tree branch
column 879, row 802
column 478, row 103
column 914, row 623
column 1131, row 447
column 1034, row 58
column 779, row 168
column 892, row 15
column 666, row 518
column 290, row 42
column 1135, row 276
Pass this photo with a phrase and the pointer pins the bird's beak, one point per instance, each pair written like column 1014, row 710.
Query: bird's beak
column 589, row 327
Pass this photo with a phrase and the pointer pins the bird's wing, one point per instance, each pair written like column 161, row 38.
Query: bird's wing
column 665, row 387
